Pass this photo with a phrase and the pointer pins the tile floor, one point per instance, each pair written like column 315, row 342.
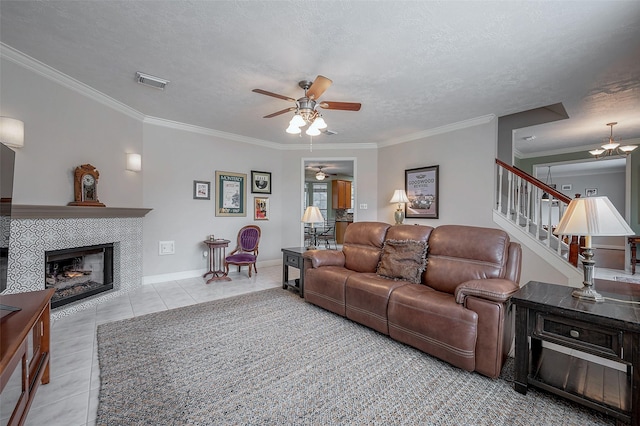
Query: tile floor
column 71, row 397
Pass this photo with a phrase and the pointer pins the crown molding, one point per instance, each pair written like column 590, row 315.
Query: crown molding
column 484, row 119
column 209, row 132
column 319, row 146
column 64, row 80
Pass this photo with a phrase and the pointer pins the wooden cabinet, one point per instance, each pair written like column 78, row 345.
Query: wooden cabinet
column 341, row 194
column 24, row 351
column 341, row 228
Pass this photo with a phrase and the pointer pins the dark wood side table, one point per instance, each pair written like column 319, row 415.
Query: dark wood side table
column 632, row 242
column 609, row 330
column 24, row 351
column 217, row 250
column 292, row 256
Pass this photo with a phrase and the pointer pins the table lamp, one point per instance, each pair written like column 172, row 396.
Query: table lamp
column 400, row 197
column 591, row 217
column 312, row 215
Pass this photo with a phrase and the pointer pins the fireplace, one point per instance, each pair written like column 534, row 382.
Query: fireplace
column 78, row 273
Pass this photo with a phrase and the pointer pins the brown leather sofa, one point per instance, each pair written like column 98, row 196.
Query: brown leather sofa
column 459, row 310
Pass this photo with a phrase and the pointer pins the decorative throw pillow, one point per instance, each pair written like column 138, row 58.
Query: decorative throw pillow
column 403, row 260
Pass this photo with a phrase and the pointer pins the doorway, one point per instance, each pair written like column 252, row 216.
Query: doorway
column 318, row 177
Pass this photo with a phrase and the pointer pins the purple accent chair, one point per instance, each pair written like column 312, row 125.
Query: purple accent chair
column 246, row 251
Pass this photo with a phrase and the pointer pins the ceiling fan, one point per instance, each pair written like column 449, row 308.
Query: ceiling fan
column 306, row 107
column 321, row 174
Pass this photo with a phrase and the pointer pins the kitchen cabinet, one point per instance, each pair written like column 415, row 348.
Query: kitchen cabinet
column 341, row 194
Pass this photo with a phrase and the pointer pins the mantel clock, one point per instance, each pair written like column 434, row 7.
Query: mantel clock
column 85, row 186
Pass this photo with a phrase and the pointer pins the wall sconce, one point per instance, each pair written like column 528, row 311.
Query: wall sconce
column 134, row 162
column 11, row 132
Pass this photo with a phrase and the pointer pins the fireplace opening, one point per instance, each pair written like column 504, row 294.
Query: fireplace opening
column 77, row 273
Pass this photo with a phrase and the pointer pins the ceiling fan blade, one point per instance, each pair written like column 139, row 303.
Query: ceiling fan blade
column 345, row 106
column 320, row 84
column 275, row 95
column 280, row 112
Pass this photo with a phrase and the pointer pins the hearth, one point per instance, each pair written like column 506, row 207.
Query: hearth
column 78, row 273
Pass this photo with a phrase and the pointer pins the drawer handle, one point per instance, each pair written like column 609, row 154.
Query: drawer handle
column 575, row 334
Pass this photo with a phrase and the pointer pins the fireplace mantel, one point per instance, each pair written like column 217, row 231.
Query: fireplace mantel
column 26, row 211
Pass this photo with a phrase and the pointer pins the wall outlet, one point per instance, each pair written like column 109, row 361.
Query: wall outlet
column 205, row 253
column 166, row 247
column 363, row 206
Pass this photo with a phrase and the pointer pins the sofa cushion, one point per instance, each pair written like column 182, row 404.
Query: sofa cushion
column 403, row 260
column 460, row 253
column 363, row 245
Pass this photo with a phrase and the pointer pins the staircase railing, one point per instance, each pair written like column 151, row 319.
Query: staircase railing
column 535, row 208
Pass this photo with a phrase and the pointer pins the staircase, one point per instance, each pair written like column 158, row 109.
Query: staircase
column 529, row 209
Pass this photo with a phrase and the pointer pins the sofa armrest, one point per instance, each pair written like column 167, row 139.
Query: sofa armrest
column 325, row 258
column 495, row 289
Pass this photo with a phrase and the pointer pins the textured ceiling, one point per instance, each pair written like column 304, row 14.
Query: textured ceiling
column 414, row 66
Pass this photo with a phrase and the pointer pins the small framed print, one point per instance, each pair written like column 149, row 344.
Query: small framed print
column 201, row 190
column 260, row 182
column 261, row 208
column 566, row 187
column 591, row 192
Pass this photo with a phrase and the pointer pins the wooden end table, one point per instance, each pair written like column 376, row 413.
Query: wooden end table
column 608, row 330
column 292, row 256
column 217, row 250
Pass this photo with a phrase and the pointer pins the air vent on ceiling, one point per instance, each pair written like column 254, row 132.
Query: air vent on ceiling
column 151, row 81
column 329, row 132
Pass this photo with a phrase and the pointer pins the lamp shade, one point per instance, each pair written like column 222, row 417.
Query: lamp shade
column 399, row 196
column 312, row 215
column 134, row 162
column 592, row 216
column 11, row 132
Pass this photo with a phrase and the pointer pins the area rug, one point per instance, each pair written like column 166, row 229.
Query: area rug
column 269, row 358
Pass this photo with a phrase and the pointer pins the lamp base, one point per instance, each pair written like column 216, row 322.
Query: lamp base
column 588, row 292
column 398, row 215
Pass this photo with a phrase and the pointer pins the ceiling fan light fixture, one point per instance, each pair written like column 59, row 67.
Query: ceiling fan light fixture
column 293, row 129
column 320, row 175
column 319, row 123
column 297, row 121
column 312, row 131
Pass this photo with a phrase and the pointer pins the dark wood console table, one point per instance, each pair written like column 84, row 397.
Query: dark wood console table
column 609, row 330
column 24, row 350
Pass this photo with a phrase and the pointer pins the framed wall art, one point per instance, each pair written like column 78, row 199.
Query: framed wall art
column 201, row 190
column 591, row 192
column 566, row 187
column 260, row 208
column 231, row 194
column 260, row 182
column 421, row 186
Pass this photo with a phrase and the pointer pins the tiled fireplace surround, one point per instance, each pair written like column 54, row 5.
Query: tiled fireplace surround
column 36, row 229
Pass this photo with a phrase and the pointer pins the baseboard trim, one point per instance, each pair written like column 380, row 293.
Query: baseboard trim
column 195, row 273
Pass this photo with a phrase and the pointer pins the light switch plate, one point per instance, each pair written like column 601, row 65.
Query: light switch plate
column 166, row 247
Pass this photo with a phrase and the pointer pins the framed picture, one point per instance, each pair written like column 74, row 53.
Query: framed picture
column 566, row 187
column 260, row 208
column 421, row 186
column 260, row 182
column 201, row 190
column 231, row 194
column 591, row 192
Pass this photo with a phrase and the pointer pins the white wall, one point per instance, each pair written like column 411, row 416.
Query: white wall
column 64, row 129
column 173, row 160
